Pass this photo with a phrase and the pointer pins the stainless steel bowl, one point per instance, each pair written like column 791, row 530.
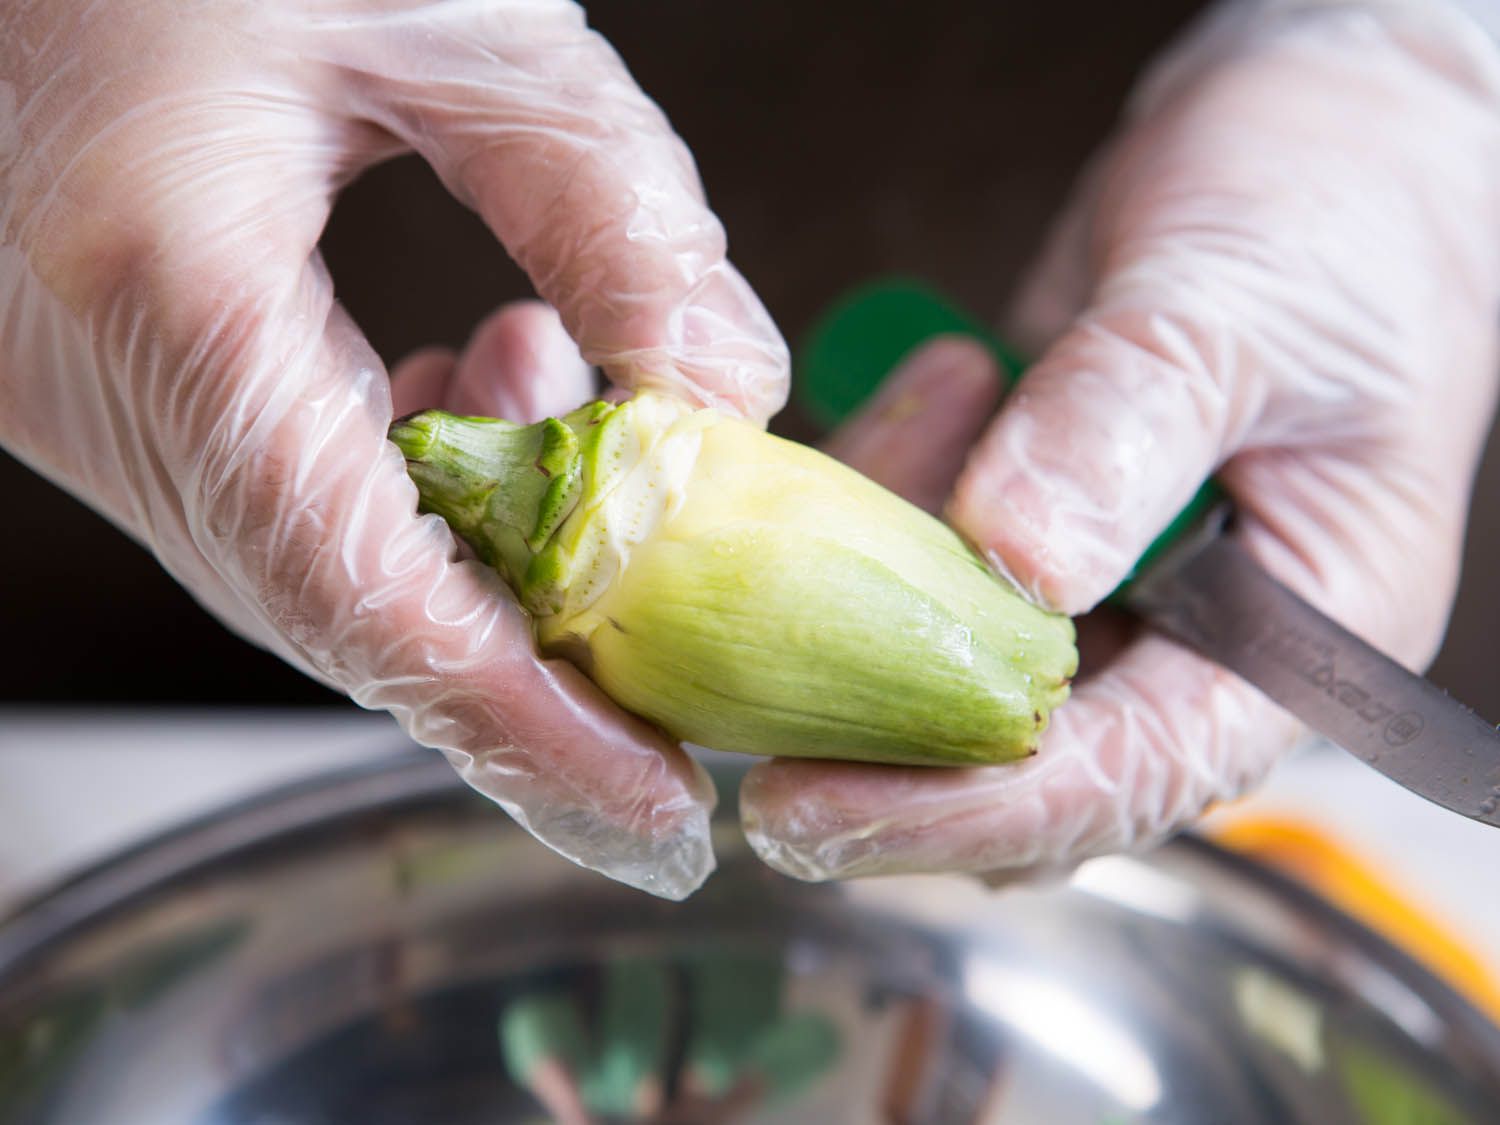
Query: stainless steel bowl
column 383, row 947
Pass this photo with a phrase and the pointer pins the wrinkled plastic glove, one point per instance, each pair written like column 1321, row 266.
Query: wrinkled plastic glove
column 172, row 352
column 1286, row 270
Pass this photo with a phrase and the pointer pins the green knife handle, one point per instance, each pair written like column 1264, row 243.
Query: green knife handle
column 861, row 338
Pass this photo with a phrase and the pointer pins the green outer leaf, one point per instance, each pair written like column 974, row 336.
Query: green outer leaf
column 834, row 656
column 558, row 459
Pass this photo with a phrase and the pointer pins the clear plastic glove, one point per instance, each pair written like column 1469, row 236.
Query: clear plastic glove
column 172, row 352
column 1287, row 270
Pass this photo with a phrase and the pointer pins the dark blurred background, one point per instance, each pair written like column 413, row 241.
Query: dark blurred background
column 836, row 140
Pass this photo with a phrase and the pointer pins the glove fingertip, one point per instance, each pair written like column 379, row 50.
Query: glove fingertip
column 521, row 365
column 421, row 381
column 1012, row 520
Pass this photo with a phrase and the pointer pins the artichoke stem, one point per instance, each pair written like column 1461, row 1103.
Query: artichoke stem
column 502, row 487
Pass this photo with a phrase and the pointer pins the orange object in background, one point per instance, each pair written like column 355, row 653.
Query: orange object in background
column 1328, row 867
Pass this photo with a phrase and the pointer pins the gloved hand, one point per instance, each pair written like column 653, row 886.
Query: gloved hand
column 172, row 352
column 1285, row 269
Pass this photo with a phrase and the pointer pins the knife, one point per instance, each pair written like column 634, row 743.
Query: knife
column 1199, row 587
column 1207, row 593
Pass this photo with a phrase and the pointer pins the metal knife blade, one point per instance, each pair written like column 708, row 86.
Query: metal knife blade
column 1210, row 595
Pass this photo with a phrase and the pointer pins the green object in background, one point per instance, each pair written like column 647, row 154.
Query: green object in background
column 865, row 334
column 725, row 1009
column 734, row 999
column 793, row 1053
column 540, row 1027
column 631, row 1035
column 623, row 1050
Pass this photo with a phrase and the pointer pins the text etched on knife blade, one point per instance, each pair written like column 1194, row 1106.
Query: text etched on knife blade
column 1316, row 662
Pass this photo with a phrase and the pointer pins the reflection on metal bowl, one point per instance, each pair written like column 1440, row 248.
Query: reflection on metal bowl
column 383, row 947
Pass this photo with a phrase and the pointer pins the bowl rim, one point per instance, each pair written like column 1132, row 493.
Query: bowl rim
column 409, row 777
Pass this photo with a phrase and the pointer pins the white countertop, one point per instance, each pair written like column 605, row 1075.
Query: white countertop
column 77, row 785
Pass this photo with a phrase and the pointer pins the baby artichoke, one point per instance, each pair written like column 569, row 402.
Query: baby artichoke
column 745, row 592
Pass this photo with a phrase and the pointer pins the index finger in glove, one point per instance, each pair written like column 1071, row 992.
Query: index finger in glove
column 532, row 119
column 913, row 435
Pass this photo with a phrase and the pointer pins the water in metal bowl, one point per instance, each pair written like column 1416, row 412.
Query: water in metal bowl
column 383, row 948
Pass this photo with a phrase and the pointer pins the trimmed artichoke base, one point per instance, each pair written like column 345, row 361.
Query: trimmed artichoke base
column 646, row 466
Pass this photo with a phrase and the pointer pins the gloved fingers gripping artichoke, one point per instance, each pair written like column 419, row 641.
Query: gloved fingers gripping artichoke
column 745, row 592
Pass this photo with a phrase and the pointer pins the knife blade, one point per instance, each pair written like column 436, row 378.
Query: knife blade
column 1206, row 592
